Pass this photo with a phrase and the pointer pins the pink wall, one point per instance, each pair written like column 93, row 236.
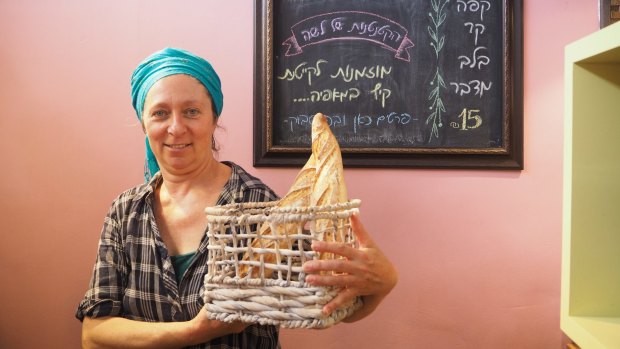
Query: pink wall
column 478, row 251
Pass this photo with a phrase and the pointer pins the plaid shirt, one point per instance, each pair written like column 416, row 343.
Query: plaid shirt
column 133, row 276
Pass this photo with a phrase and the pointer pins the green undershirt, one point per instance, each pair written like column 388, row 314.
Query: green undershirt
column 181, row 262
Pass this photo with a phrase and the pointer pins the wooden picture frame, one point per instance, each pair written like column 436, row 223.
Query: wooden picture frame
column 268, row 99
column 609, row 12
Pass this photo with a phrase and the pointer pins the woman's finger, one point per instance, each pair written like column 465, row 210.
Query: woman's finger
column 340, row 266
column 363, row 238
column 336, row 248
column 342, row 298
column 342, row 281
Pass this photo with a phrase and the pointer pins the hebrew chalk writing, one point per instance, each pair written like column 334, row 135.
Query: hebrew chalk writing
column 475, row 29
column 354, row 122
column 381, row 94
column 330, row 95
column 330, row 75
column 473, row 6
column 302, row 71
column 349, row 25
column 375, row 29
column 470, row 119
column 349, row 73
column 476, row 87
column 356, row 62
column 477, row 59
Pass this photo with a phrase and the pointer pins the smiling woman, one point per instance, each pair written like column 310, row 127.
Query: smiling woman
column 145, row 289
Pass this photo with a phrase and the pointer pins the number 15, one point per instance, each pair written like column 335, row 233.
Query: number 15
column 468, row 116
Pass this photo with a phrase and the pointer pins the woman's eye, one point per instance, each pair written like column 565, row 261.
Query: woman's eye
column 192, row 112
column 160, row 113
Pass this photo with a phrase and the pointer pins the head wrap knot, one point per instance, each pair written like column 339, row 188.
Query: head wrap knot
column 171, row 61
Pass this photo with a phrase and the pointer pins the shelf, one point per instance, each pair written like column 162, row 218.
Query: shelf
column 593, row 332
column 590, row 304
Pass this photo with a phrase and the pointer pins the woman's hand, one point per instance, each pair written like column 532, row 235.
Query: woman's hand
column 118, row 332
column 364, row 272
column 205, row 329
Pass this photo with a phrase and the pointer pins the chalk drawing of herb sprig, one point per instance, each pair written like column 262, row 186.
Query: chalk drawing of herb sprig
column 438, row 17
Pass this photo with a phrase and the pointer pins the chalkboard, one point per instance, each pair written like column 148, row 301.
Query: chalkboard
column 404, row 83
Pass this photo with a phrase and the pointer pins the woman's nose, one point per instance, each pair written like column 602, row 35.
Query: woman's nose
column 177, row 125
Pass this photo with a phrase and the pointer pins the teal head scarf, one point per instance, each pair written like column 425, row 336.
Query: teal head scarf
column 171, row 61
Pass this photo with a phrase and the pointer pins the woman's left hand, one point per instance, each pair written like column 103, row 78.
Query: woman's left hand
column 364, row 271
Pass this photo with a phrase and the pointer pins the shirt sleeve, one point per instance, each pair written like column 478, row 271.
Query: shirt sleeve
column 107, row 284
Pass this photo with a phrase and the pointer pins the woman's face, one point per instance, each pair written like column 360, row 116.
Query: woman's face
column 178, row 118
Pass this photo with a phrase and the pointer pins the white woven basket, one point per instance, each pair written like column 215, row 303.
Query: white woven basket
column 272, row 291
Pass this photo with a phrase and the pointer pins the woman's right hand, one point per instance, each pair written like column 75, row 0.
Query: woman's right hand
column 118, row 332
column 205, row 329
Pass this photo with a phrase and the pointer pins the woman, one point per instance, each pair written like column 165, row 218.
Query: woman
column 145, row 291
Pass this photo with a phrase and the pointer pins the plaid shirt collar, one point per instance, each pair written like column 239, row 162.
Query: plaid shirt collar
column 233, row 190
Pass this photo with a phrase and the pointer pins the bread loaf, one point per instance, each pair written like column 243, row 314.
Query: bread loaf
column 319, row 182
column 329, row 187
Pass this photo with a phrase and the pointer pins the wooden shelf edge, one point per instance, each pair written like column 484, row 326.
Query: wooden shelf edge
column 592, row 332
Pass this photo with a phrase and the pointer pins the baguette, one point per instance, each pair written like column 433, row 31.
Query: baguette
column 319, row 182
column 329, row 187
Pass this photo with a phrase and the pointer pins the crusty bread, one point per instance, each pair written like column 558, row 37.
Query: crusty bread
column 319, row 182
column 297, row 196
column 329, row 187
